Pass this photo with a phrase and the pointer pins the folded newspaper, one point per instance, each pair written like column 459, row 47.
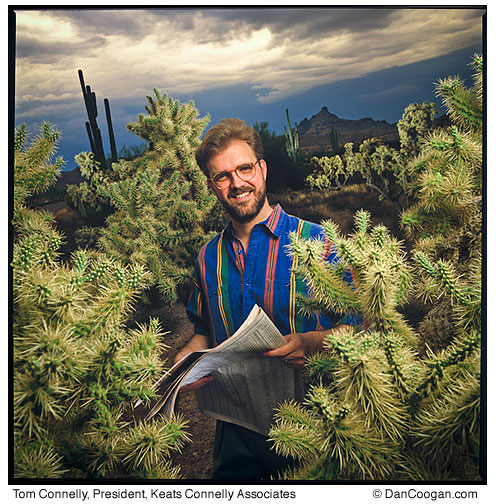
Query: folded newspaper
column 247, row 386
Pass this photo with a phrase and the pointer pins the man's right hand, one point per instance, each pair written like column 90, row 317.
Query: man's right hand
column 196, row 343
column 197, row 384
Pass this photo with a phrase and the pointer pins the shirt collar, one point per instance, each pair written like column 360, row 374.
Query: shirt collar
column 274, row 223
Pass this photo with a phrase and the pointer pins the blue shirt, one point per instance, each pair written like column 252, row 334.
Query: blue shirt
column 229, row 281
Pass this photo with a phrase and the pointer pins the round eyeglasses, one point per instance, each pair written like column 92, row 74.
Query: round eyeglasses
column 245, row 172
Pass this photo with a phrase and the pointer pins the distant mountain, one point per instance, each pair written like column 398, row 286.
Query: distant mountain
column 315, row 133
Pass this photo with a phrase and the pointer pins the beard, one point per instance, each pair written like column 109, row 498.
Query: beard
column 244, row 212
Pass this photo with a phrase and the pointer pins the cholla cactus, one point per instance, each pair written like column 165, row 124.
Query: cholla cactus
column 154, row 225
column 173, row 132
column 77, row 366
column 85, row 197
column 330, row 172
column 446, row 220
column 416, row 122
column 378, row 264
column 35, row 168
column 447, row 173
column 379, row 165
column 375, row 409
column 160, row 200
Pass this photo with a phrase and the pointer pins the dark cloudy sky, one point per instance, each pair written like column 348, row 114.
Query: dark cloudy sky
column 250, row 63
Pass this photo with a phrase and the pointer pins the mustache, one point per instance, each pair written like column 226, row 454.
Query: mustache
column 239, row 190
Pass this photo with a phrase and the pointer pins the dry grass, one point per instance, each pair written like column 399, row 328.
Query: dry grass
column 341, row 206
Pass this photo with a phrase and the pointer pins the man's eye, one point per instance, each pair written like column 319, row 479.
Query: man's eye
column 221, row 177
column 245, row 168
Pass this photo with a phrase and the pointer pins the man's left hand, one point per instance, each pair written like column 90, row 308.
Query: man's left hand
column 298, row 347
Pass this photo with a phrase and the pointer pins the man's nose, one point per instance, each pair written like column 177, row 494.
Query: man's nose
column 236, row 181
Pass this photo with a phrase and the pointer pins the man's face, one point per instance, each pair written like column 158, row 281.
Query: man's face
column 243, row 200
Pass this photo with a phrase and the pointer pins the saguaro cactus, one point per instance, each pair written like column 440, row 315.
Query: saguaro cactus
column 334, row 139
column 92, row 129
column 292, row 139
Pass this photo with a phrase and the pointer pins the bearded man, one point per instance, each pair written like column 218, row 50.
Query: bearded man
column 247, row 264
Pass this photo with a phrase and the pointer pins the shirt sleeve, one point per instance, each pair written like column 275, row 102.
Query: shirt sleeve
column 196, row 308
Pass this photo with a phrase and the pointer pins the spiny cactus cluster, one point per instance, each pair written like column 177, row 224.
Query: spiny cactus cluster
column 330, row 172
column 372, row 401
column 447, row 173
column 35, row 168
column 159, row 202
column 78, row 363
column 377, row 262
column 173, row 132
column 416, row 122
column 375, row 408
column 445, row 222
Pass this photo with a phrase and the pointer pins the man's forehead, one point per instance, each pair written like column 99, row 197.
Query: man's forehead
column 237, row 152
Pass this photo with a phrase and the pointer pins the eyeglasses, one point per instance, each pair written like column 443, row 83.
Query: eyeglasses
column 245, row 172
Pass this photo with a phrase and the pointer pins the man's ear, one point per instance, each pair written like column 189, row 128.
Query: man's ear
column 263, row 165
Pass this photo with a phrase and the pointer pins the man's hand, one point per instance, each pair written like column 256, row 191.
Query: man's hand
column 299, row 346
column 197, row 384
column 196, row 343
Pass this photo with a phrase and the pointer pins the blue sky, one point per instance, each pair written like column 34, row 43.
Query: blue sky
column 249, row 63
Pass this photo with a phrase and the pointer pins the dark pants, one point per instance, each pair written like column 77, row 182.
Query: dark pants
column 242, row 454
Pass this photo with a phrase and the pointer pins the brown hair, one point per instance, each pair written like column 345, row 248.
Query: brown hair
column 218, row 138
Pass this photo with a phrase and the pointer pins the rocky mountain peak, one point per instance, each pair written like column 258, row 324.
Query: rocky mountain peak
column 325, row 114
column 315, row 133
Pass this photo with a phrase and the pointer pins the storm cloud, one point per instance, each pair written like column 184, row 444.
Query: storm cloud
column 273, row 54
column 283, row 51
